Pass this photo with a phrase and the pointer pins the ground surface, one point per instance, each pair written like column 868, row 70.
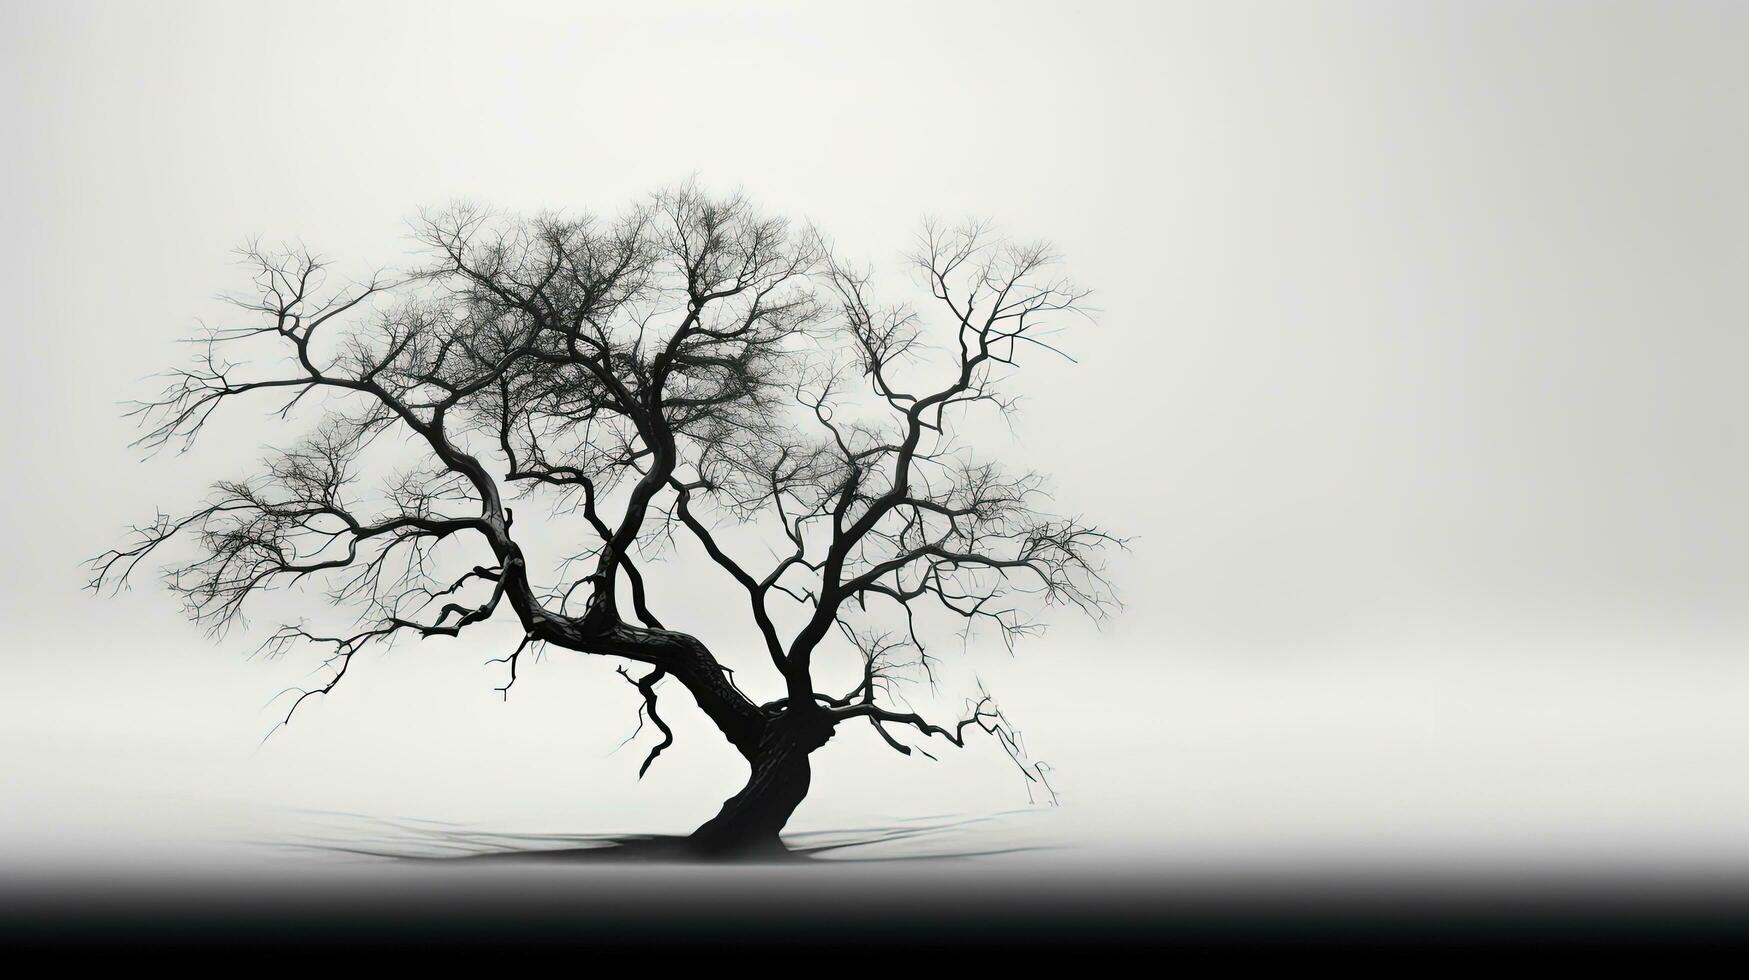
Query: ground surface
column 936, row 886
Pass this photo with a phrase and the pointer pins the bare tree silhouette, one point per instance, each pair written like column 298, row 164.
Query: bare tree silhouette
column 692, row 369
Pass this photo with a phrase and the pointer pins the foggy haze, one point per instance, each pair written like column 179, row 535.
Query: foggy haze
column 1416, row 381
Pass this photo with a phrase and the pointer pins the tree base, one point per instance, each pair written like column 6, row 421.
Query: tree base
column 751, row 822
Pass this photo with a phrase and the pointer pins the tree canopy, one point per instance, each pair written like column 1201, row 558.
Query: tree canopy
column 692, row 368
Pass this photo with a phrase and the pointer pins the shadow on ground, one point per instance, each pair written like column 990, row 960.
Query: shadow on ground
column 936, row 838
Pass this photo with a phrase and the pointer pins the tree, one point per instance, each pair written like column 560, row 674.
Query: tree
column 692, row 370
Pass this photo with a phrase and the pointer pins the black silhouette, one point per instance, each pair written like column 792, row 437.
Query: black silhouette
column 684, row 371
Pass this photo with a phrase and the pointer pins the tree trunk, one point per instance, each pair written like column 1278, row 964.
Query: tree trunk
column 751, row 821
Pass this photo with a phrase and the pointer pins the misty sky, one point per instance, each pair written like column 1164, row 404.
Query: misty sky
column 1417, row 380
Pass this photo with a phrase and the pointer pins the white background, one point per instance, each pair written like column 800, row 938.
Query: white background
column 1417, row 380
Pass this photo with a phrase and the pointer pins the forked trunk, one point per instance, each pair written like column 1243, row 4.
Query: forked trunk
column 752, row 820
